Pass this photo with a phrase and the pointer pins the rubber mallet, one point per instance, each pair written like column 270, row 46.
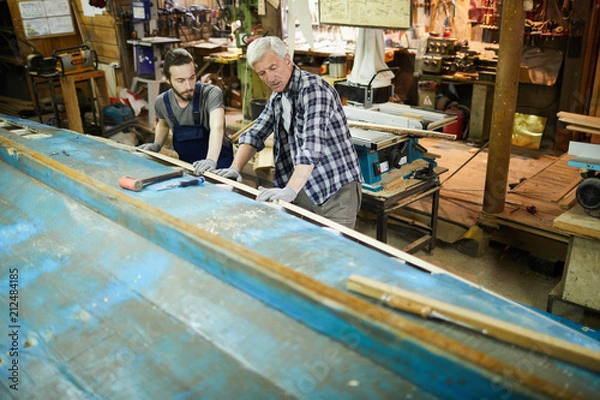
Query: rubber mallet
column 136, row 185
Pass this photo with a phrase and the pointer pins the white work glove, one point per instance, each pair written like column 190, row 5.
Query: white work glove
column 231, row 173
column 155, row 147
column 202, row 166
column 286, row 194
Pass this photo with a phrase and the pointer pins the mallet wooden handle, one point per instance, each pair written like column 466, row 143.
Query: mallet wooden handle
column 138, row 184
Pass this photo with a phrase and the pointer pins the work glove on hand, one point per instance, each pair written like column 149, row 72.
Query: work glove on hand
column 285, row 194
column 202, row 166
column 231, row 173
column 155, row 147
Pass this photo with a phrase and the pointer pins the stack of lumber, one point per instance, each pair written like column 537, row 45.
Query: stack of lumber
column 580, row 123
column 12, row 106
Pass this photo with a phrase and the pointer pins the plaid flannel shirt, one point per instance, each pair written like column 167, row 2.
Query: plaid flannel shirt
column 319, row 135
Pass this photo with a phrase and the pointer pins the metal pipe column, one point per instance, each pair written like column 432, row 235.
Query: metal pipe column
column 505, row 104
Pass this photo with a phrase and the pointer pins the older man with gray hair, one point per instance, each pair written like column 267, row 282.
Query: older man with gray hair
column 316, row 166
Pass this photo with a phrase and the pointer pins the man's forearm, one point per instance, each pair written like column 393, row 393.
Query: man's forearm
column 242, row 156
column 300, row 177
column 161, row 131
column 217, row 129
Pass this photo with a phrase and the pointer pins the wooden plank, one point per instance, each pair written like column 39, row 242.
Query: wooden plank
column 429, row 308
column 579, row 128
column 235, row 136
column 586, row 118
column 579, row 119
column 69, row 92
column 401, row 131
column 552, row 183
column 569, row 200
column 304, row 214
column 577, row 222
column 579, row 122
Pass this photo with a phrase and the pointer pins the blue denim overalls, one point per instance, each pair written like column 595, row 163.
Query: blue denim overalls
column 191, row 141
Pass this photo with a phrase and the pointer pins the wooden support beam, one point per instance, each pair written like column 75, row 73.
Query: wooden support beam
column 505, row 105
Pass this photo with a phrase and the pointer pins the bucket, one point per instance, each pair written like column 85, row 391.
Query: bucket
column 455, row 128
column 337, row 66
column 256, row 107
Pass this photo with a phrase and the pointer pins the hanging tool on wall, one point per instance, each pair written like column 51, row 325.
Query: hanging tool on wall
column 576, row 32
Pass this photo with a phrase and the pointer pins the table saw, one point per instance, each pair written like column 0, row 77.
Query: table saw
column 379, row 151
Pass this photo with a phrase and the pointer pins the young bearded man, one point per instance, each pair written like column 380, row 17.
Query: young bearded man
column 195, row 114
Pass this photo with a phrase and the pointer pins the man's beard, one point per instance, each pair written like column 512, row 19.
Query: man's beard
column 184, row 97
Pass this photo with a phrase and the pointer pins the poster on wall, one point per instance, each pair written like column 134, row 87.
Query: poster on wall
column 36, row 27
column 46, row 17
column 62, row 24
column 57, row 7
column 32, row 9
column 390, row 14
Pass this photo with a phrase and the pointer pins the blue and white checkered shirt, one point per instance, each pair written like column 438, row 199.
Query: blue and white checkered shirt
column 319, row 136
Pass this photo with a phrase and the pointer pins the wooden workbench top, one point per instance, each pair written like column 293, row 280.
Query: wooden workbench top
column 394, row 182
column 577, row 222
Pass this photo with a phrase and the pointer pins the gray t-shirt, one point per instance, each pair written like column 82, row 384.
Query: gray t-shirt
column 210, row 99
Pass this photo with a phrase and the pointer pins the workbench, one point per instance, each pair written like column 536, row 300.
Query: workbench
column 581, row 276
column 222, row 58
column 69, row 91
column 398, row 193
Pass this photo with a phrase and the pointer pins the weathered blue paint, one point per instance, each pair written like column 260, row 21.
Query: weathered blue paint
column 134, row 267
column 100, row 328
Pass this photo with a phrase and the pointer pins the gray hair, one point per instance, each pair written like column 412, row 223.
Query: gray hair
column 258, row 48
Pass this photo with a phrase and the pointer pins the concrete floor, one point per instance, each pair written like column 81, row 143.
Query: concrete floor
column 506, row 272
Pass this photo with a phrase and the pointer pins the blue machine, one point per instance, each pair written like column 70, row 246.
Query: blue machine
column 380, row 152
column 141, row 10
column 588, row 191
column 148, row 51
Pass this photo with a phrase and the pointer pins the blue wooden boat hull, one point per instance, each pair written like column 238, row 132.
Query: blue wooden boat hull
column 204, row 293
